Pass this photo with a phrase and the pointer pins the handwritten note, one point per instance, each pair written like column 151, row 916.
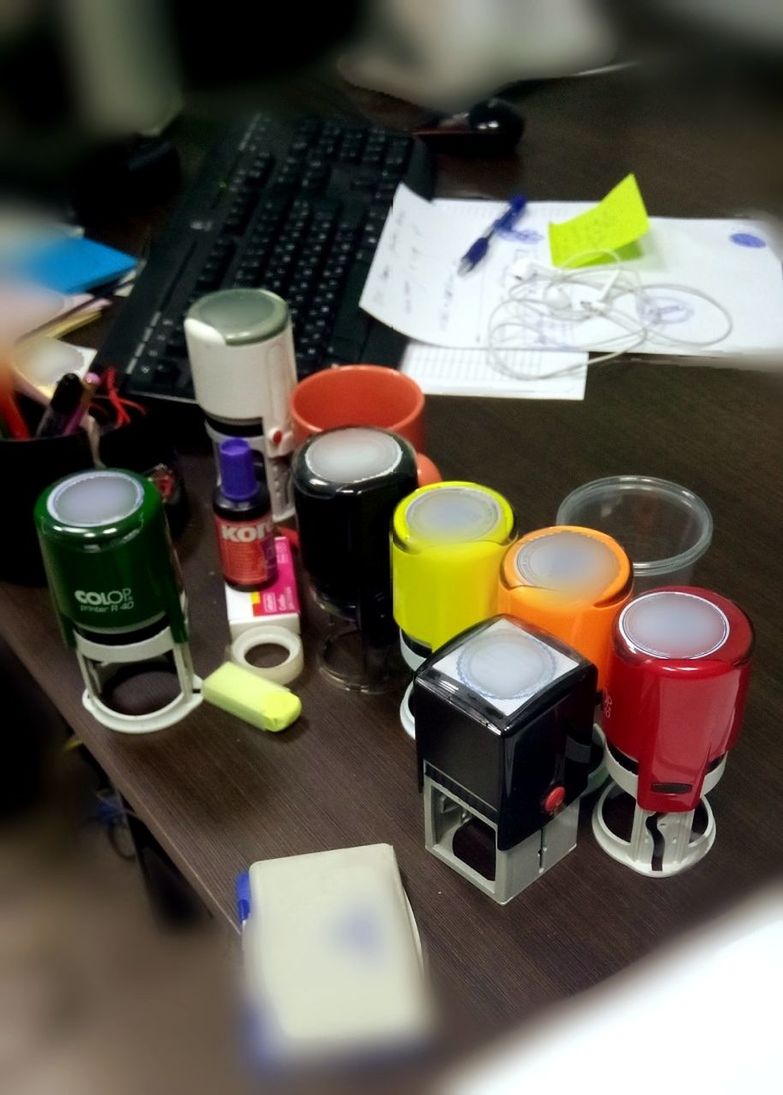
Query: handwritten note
column 618, row 220
column 413, row 284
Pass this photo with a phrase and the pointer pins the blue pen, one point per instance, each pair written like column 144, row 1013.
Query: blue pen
column 476, row 252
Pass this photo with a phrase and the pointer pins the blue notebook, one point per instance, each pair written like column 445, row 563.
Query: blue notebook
column 73, row 264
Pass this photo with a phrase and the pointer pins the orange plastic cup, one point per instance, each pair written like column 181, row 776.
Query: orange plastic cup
column 363, row 395
column 359, row 395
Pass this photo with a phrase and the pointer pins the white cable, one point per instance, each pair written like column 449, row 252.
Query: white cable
column 523, row 310
column 540, row 309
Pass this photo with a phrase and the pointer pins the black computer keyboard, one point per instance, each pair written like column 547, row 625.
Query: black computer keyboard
column 293, row 207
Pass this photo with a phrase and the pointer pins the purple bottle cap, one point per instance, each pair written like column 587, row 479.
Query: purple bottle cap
column 237, row 472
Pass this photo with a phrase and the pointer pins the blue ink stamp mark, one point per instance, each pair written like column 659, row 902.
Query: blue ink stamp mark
column 661, row 311
column 521, row 235
column 748, row 239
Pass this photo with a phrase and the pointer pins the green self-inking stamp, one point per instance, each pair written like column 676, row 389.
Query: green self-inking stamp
column 115, row 584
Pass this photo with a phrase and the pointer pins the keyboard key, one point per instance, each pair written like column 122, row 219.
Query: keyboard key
column 351, row 325
column 306, row 367
column 143, row 374
column 176, row 343
column 338, row 264
column 308, row 129
column 206, row 284
column 220, row 250
column 166, row 373
column 385, row 193
column 344, row 349
column 260, row 170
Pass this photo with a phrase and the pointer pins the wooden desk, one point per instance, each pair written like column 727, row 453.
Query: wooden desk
column 218, row 794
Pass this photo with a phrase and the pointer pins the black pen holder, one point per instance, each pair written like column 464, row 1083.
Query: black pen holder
column 144, row 446
column 27, row 467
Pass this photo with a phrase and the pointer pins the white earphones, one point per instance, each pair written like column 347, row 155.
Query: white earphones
column 541, row 312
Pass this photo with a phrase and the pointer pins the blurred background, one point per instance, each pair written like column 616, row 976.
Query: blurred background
column 90, row 89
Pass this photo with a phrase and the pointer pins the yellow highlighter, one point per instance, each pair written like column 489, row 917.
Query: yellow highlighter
column 447, row 544
column 243, row 693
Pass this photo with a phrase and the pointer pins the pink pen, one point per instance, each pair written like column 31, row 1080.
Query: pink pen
column 90, row 383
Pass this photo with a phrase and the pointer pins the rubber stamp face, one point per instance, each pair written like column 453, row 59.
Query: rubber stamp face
column 505, row 665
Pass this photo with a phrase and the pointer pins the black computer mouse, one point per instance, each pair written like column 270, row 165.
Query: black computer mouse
column 490, row 128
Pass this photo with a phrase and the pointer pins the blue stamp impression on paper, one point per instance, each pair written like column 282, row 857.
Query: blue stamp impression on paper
column 748, row 239
column 662, row 310
column 359, row 932
column 530, row 236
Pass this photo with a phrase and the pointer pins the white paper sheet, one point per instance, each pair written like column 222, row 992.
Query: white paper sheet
column 441, row 370
column 413, row 284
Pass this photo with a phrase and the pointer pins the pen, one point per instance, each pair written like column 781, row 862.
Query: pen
column 85, row 398
column 476, row 252
column 13, row 421
column 65, row 401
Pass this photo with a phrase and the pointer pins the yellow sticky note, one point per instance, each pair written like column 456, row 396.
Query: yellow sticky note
column 618, row 220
